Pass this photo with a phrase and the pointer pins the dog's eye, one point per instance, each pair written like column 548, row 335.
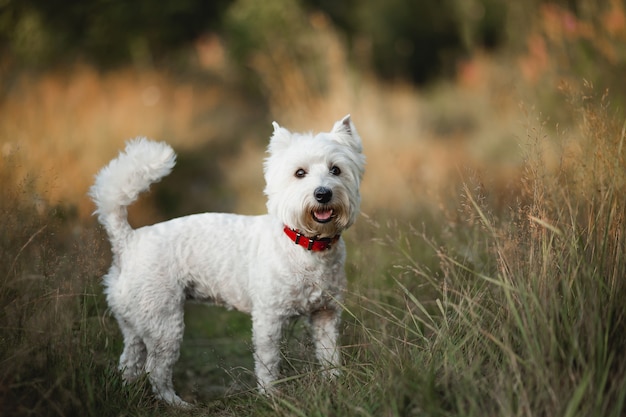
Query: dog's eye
column 334, row 170
column 300, row 173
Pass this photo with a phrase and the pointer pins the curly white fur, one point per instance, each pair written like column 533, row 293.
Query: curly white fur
column 241, row 262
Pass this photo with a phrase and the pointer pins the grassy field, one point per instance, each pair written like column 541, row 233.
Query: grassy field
column 486, row 273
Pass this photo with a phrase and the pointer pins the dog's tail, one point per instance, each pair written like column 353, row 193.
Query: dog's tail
column 119, row 183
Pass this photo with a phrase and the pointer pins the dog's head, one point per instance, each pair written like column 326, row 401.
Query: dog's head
column 313, row 180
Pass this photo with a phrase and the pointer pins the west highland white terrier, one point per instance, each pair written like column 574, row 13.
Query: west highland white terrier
column 287, row 263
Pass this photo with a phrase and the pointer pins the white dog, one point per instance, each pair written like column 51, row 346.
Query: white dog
column 286, row 263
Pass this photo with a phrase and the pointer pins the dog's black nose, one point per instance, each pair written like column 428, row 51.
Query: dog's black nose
column 323, row 194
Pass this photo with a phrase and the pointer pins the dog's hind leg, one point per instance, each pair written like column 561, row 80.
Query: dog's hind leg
column 133, row 358
column 163, row 350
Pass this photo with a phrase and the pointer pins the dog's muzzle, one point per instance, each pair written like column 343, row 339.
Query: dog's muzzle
column 323, row 214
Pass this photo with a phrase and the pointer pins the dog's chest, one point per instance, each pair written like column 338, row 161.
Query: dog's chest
column 314, row 291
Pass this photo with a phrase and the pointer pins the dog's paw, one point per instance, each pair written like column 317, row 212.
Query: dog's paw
column 174, row 400
column 269, row 389
column 182, row 404
column 332, row 373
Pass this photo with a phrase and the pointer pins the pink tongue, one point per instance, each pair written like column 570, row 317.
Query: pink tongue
column 323, row 215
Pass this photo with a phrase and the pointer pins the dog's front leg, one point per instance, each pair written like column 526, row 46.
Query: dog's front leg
column 266, row 334
column 324, row 326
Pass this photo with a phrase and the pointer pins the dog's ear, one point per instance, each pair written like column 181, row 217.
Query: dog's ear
column 280, row 138
column 346, row 133
column 343, row 126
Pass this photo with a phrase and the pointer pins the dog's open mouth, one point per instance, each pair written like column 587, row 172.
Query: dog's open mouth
column 322, row 216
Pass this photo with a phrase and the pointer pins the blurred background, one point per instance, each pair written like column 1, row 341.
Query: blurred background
column 481, row 120
column 437, row 89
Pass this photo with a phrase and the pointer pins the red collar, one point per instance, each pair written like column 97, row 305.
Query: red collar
column 310, row 243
